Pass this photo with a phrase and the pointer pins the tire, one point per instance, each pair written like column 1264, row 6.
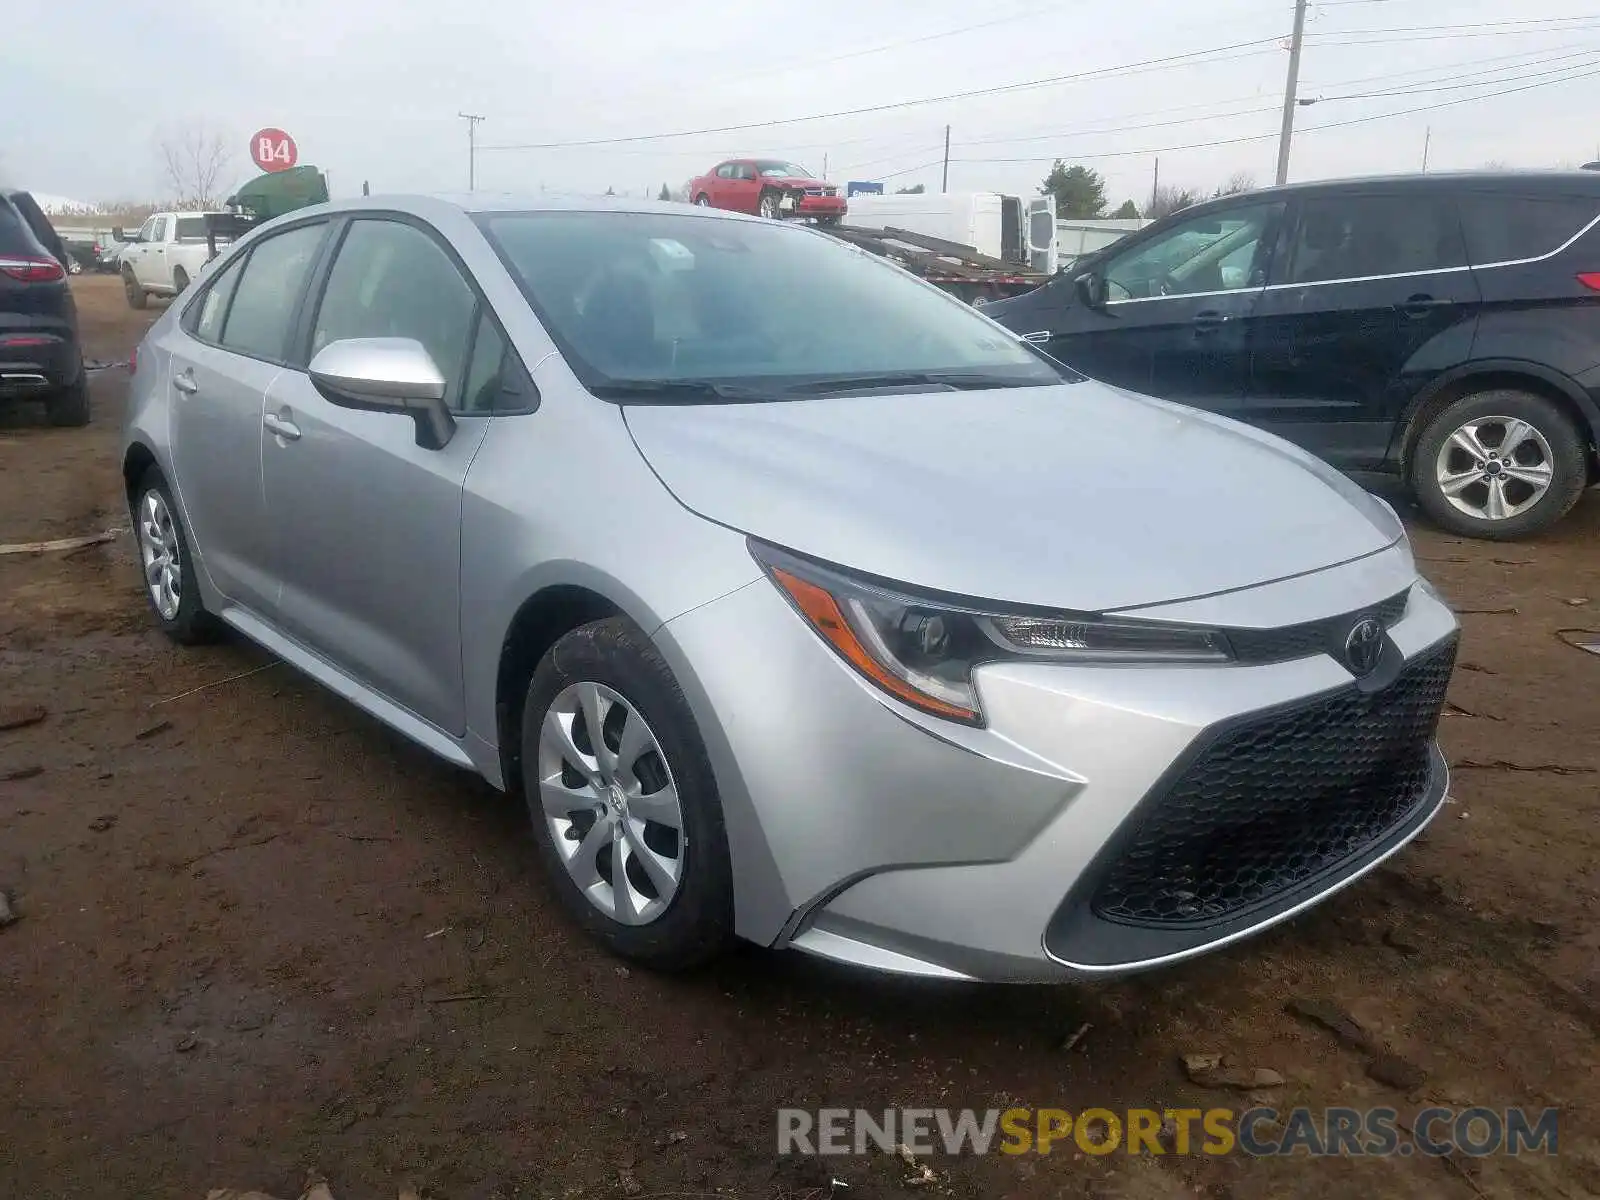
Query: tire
column 1547, row 444
column 70, row 405
column 137, row 296
column 612, row 662
column 767, row 206
column 189, row 624
column 703, row 200
column 180, row 281
column 828, row 222
column 74, row 267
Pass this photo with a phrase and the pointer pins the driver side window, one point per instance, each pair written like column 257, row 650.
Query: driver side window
column 1220, row 252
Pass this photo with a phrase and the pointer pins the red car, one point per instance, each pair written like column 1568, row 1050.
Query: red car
column 768, row 187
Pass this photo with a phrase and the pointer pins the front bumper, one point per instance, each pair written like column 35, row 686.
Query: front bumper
column 866, row 832
column 798, row 204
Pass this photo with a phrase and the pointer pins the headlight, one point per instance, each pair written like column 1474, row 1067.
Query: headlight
column 923, row 651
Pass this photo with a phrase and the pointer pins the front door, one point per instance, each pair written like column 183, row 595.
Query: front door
column 1372, row 298
column 1176, row 321
column 370, row 521
column 224, row 356
column 742, row 189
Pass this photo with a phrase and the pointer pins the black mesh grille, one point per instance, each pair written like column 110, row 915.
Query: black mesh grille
column 1311, row 637
column 1273, row 803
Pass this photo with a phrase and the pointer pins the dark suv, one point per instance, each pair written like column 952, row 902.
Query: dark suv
column 40, row 356
column 1445, row 328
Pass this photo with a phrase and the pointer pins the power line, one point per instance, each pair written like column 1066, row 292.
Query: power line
column 1261, row 137
column 902, row 104
column 1556, row 23
column 1444, row 87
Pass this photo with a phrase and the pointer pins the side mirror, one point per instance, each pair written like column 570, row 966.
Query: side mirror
column 390, row 375
column 1092, row 289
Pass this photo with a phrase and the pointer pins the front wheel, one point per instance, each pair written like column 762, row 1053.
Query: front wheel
column 624, row 805
column 768, row 206
column 1499, row 464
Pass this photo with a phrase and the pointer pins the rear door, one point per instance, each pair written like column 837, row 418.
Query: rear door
column 1371, row 300
column 230, row 345
column 1042, row 234
column 371, row 549
column 1180, row 302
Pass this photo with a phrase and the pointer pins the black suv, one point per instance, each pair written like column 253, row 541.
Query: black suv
column 1445, row 328
column 39, row 351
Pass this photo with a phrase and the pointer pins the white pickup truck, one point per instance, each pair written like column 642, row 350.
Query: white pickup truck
column 166, row 253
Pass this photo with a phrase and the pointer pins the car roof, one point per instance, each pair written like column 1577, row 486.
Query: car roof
column 472, row 203
column 1586, row 183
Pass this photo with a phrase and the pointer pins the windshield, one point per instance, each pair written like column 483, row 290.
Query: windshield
column 658, row 298
column 782, row 170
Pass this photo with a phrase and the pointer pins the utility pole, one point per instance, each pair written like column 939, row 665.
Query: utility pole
column 1427, row 141
column 1155, row 188
column 472, row 120
column 824, row 164
column 1287, row 133
column 944, row 185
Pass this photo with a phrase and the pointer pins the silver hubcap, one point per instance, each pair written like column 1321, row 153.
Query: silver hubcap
column 704, row 202
column 610, row 803
column 158, row 548
column 1495, row 467
column 769, row 206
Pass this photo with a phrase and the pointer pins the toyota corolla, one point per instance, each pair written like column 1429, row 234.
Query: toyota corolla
column 801, row 602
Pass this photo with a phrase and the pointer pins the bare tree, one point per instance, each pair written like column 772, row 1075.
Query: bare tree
column 194, row 161
column 1239, row 181
column 1169, row 200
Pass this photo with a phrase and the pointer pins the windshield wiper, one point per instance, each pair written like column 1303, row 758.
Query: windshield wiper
column 682, row 391
column 962, row 380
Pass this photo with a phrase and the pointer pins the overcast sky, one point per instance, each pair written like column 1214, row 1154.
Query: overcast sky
column 370, row 89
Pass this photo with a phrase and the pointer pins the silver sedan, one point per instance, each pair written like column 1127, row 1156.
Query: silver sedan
column 802, row 602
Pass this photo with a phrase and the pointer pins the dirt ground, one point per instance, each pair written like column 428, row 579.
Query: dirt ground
column 258, row 933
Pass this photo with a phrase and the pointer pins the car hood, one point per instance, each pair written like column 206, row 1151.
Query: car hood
column 1078, row 496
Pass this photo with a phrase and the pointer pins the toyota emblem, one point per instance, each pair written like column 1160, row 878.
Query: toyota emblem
column 1364, row 646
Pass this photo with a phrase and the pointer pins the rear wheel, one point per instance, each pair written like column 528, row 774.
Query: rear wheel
column 703, row 200
column 1499, row 464
column 70, row 405
column 624, row 805
column 167, row 566
column 137, row 296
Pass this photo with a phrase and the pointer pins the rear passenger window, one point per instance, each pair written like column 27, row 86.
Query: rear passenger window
column 204, row 319
column 1354, row 237
column 269, row 287
column 1507, row 228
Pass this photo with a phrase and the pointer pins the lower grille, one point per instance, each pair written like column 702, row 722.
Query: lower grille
column 1270, row 804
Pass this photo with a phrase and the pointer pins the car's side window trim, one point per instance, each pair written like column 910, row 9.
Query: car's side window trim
column 1319, row 283
column 1518, row 262
column 306, row 318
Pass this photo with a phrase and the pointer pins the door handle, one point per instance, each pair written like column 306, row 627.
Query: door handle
column 1422, row 304
column 282, row 427
column 185, row 383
